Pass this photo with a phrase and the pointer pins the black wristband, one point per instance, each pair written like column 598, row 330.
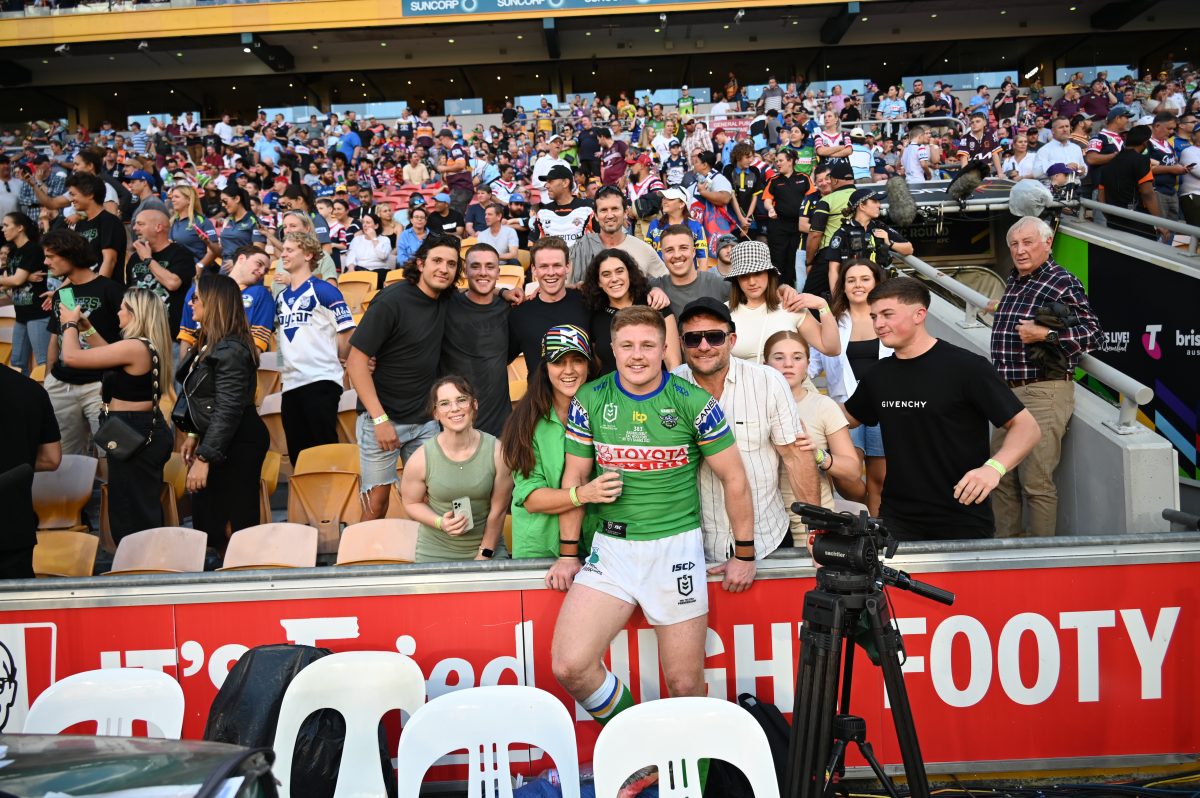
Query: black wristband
column 749, row 543
column 565, row 542
column 744, row 557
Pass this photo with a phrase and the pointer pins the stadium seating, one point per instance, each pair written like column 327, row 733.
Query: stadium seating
column 65, row 553
column 59, row 496
column 378, row 542
column 281, row 545
column 168, row 549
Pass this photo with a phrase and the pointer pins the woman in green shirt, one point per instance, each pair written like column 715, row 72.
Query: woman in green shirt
column 533, row 447
column 456, row 486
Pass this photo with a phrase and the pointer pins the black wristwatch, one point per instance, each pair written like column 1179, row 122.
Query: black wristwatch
column 488, row 553
column 1052, row 337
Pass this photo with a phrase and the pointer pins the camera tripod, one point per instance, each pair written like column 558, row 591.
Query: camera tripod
column 822, row 726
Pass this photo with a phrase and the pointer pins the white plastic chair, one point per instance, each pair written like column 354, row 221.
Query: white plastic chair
column 362, row 686
column 673, row 733
column 114, row 698
column 486, row 721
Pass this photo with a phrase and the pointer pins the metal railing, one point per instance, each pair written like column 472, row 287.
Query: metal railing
column 1133, row 393
column 942, row 121
column 1145, row 218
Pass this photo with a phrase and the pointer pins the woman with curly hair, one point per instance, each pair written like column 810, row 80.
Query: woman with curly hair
column 614, row 281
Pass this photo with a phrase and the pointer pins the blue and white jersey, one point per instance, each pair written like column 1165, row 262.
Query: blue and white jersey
column 309, row 320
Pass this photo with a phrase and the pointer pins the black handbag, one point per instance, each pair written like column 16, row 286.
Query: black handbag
column 115, row 436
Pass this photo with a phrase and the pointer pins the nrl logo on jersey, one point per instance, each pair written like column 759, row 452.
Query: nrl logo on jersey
column 609, row 414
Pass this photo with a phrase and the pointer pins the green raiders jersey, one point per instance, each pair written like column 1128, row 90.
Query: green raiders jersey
column 656, row 441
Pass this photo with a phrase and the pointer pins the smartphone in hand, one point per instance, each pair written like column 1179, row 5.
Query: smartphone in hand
column 66, row 297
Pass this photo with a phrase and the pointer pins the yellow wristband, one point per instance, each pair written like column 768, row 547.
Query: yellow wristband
column 380, row 420
column 193, row 435
column 438, row 522
column 575, row 497
column 996, row 464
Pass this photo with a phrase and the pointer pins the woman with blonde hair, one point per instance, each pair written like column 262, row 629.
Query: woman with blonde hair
column 136, row 371
column 189, row 227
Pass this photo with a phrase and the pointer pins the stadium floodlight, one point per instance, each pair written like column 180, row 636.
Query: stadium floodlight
column 737, row 18
column 63, row 49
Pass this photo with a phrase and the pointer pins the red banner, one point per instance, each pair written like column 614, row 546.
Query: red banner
column 1029, row 664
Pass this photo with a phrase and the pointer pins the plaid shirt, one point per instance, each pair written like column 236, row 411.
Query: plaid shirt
column 1022, row 297
column 55, row 185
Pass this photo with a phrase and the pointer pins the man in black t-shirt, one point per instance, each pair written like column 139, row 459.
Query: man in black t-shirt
column 75, row 393
column 30, row 439
column 160, row 265
column 1128, row 182
column 919, row 102
column 402, row 333
column 555, row 303
column 933, row 401
column 475, row 345
column 444, row 219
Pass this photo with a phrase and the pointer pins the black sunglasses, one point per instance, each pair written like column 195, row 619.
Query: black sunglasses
column 714, row 338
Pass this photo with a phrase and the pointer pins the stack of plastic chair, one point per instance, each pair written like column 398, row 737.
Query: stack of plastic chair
column 384, row 541
column 486, row 721
column 271, row 546
column 112, row 697
column 362, row 686
column 674, row 734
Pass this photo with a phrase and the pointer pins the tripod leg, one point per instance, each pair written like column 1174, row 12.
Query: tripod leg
column 869, row 754
column 837, row 754
column 816, row 694
column 887, row 642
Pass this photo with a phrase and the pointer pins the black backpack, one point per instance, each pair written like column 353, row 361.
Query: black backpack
column 725, row 780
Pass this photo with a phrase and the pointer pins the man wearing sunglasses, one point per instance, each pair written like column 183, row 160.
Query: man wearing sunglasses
column 758, row 405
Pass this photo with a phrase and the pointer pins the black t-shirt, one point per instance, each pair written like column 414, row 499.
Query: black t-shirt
column 174, row 259
column 589, row 145
column 918, row 103
column 27, row 425
column 447, row 222
column 100, row 299
column 1122, row 177
column 508, row 116
column 934, row 411
column 403, row 331
column 475, row 346
column 529, row 321
column 104, row 232
column 27, row 297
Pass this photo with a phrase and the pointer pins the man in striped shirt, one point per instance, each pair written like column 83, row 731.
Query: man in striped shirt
column 760, row 410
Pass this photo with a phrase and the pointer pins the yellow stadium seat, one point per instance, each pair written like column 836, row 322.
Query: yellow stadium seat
column 269, row 382
column 394, row 276
column 59, row 496
column 270, row 410
column 330, row 457
column 65, row 554
column 518, row 369
column 523, row 258
column 271, row 546
column 379, row 542
column 166, row 549
column 366, row 303
column 348, row 416
column 511, row 276
column 355, row 286
column 267, row 483
column 173, row 487
column 516, row 390
column 38, row 374
column 326, row 500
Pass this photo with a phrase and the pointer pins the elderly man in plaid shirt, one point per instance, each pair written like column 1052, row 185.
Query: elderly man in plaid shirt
column 1048, row 393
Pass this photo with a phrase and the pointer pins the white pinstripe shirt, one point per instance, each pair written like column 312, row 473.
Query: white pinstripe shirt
column 758, row 404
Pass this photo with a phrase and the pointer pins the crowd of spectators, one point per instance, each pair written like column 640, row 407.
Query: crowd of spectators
column 608, row 205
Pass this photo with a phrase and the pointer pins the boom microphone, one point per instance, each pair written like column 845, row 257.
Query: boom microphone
column 970, row 177
column 902, row 208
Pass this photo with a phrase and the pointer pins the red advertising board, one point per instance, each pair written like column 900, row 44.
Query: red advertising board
column 1029, row 664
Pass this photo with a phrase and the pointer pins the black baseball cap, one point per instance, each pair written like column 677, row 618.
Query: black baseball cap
column 841, row 170
column 708, row 306
column 559, row 172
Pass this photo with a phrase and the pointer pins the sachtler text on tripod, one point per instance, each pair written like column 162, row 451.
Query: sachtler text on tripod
column 850, row 587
